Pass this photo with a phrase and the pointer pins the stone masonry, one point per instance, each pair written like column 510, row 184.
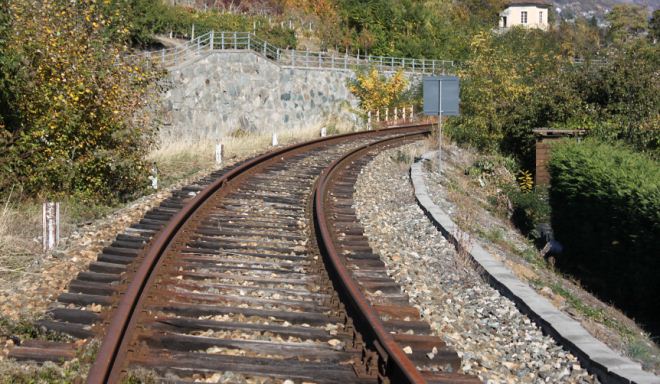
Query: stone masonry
column 220, row 93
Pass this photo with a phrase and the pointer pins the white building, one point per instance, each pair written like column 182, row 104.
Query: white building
column 530, row 13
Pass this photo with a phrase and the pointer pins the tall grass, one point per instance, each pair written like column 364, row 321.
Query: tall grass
column 180, row 159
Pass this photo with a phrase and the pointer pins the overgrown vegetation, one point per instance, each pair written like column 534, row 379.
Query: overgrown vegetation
column 526, row 79
column 377, row 91
column 150, row 17
column 606, row 210
column 73, row 108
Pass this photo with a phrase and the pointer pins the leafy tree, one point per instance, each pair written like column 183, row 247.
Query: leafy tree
column 579, row 39
column 627, row 21
column 376, row 91
column 654, row 26
column 625, row 93
column 491, row 86
column 77, row 96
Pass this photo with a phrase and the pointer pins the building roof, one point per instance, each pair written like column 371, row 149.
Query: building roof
column 538, row 3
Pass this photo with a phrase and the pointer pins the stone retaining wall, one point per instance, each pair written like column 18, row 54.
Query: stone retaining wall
column 223, row 92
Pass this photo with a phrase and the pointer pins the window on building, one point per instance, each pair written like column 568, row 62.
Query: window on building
column 541, row 17
column 523, row 17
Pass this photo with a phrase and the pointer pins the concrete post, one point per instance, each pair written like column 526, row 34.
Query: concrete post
column 324, row 132
column 218, row 153
column 154, row 176
column 51, row 225
column 275, row 143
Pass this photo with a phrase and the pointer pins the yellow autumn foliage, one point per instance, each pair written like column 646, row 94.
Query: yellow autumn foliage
column 80, row 97
column 375, row 91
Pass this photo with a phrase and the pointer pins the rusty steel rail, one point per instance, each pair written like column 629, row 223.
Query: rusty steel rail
column 396, row 365
column 115, row 345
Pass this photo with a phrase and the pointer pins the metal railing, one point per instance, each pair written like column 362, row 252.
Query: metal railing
column 290, row 58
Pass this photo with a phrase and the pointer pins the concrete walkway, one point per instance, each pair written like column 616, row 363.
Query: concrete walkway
column 598, row 358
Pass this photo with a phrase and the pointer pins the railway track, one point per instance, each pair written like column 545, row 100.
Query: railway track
column 262, row 274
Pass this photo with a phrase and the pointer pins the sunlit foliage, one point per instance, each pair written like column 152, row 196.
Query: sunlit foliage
column 77, row 121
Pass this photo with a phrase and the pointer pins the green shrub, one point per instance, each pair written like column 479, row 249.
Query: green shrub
column 74, row 108
column 529, row 209
column 605, row 203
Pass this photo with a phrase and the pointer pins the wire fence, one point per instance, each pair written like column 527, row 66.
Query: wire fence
column 291, row 58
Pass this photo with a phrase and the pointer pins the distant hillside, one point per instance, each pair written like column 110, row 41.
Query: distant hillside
column 587, row 8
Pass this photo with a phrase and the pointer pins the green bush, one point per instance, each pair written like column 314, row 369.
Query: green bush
column 73, row 102
column 529, row 209
column 605, row 203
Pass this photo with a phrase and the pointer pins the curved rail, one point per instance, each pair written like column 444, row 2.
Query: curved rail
column 399, row 368
column 115, row 345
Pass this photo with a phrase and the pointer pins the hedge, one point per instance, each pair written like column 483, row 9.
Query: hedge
column 605, row 203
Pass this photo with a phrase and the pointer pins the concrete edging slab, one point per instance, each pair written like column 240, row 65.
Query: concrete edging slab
column 598, row 358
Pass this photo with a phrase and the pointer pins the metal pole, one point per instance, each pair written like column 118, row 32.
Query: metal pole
column 440, row 129
column 211, row 41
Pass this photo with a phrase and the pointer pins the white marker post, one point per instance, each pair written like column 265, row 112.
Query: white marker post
column 274, row 142
column 154, row 176
column 50, row 219
column 324, row 132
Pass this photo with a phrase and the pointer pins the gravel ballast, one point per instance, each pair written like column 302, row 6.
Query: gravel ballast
column 495, row 341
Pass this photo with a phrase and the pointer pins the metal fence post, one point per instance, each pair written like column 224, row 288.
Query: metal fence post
column 211, row 41
column 332, row 61
column 320, row 53
column 222, row 40
column 264, row 49
column 249, row 45
column 235, row 41
column 346, row 60
column 433, row 65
